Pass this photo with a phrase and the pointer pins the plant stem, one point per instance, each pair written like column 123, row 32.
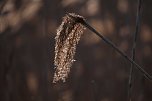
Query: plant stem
column 117, row 49
column 134, row 48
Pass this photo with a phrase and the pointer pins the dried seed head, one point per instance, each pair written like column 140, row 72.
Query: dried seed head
column 68, row 35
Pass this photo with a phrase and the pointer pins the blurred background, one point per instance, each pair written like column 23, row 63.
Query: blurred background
column 27, row 31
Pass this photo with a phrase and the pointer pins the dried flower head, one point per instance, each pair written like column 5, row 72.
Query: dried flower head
column 68, row 35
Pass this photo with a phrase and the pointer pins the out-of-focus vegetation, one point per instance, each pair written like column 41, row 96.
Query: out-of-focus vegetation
column 27, row 31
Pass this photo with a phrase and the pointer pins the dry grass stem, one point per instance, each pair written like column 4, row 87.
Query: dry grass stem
column 67, row 37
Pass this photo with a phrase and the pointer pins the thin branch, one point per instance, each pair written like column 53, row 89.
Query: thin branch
column 82, row 21
column 134, row 48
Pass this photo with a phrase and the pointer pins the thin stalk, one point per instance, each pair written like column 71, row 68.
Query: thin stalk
column 118, row 50
column 134, row 48
column 83, row 22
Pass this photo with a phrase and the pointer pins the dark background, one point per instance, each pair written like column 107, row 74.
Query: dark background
column 27, row 31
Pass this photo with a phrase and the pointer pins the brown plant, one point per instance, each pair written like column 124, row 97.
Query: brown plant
column 67, row 37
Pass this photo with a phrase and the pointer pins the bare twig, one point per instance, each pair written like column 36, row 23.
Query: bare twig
column 82, row 21
column 134, row 48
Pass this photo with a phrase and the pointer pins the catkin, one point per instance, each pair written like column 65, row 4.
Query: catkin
column 67, row 37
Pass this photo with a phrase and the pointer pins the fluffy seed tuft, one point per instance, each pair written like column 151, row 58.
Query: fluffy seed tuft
column 67, row 37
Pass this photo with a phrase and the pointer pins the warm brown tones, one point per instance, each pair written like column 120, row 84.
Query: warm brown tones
column 68, row 36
